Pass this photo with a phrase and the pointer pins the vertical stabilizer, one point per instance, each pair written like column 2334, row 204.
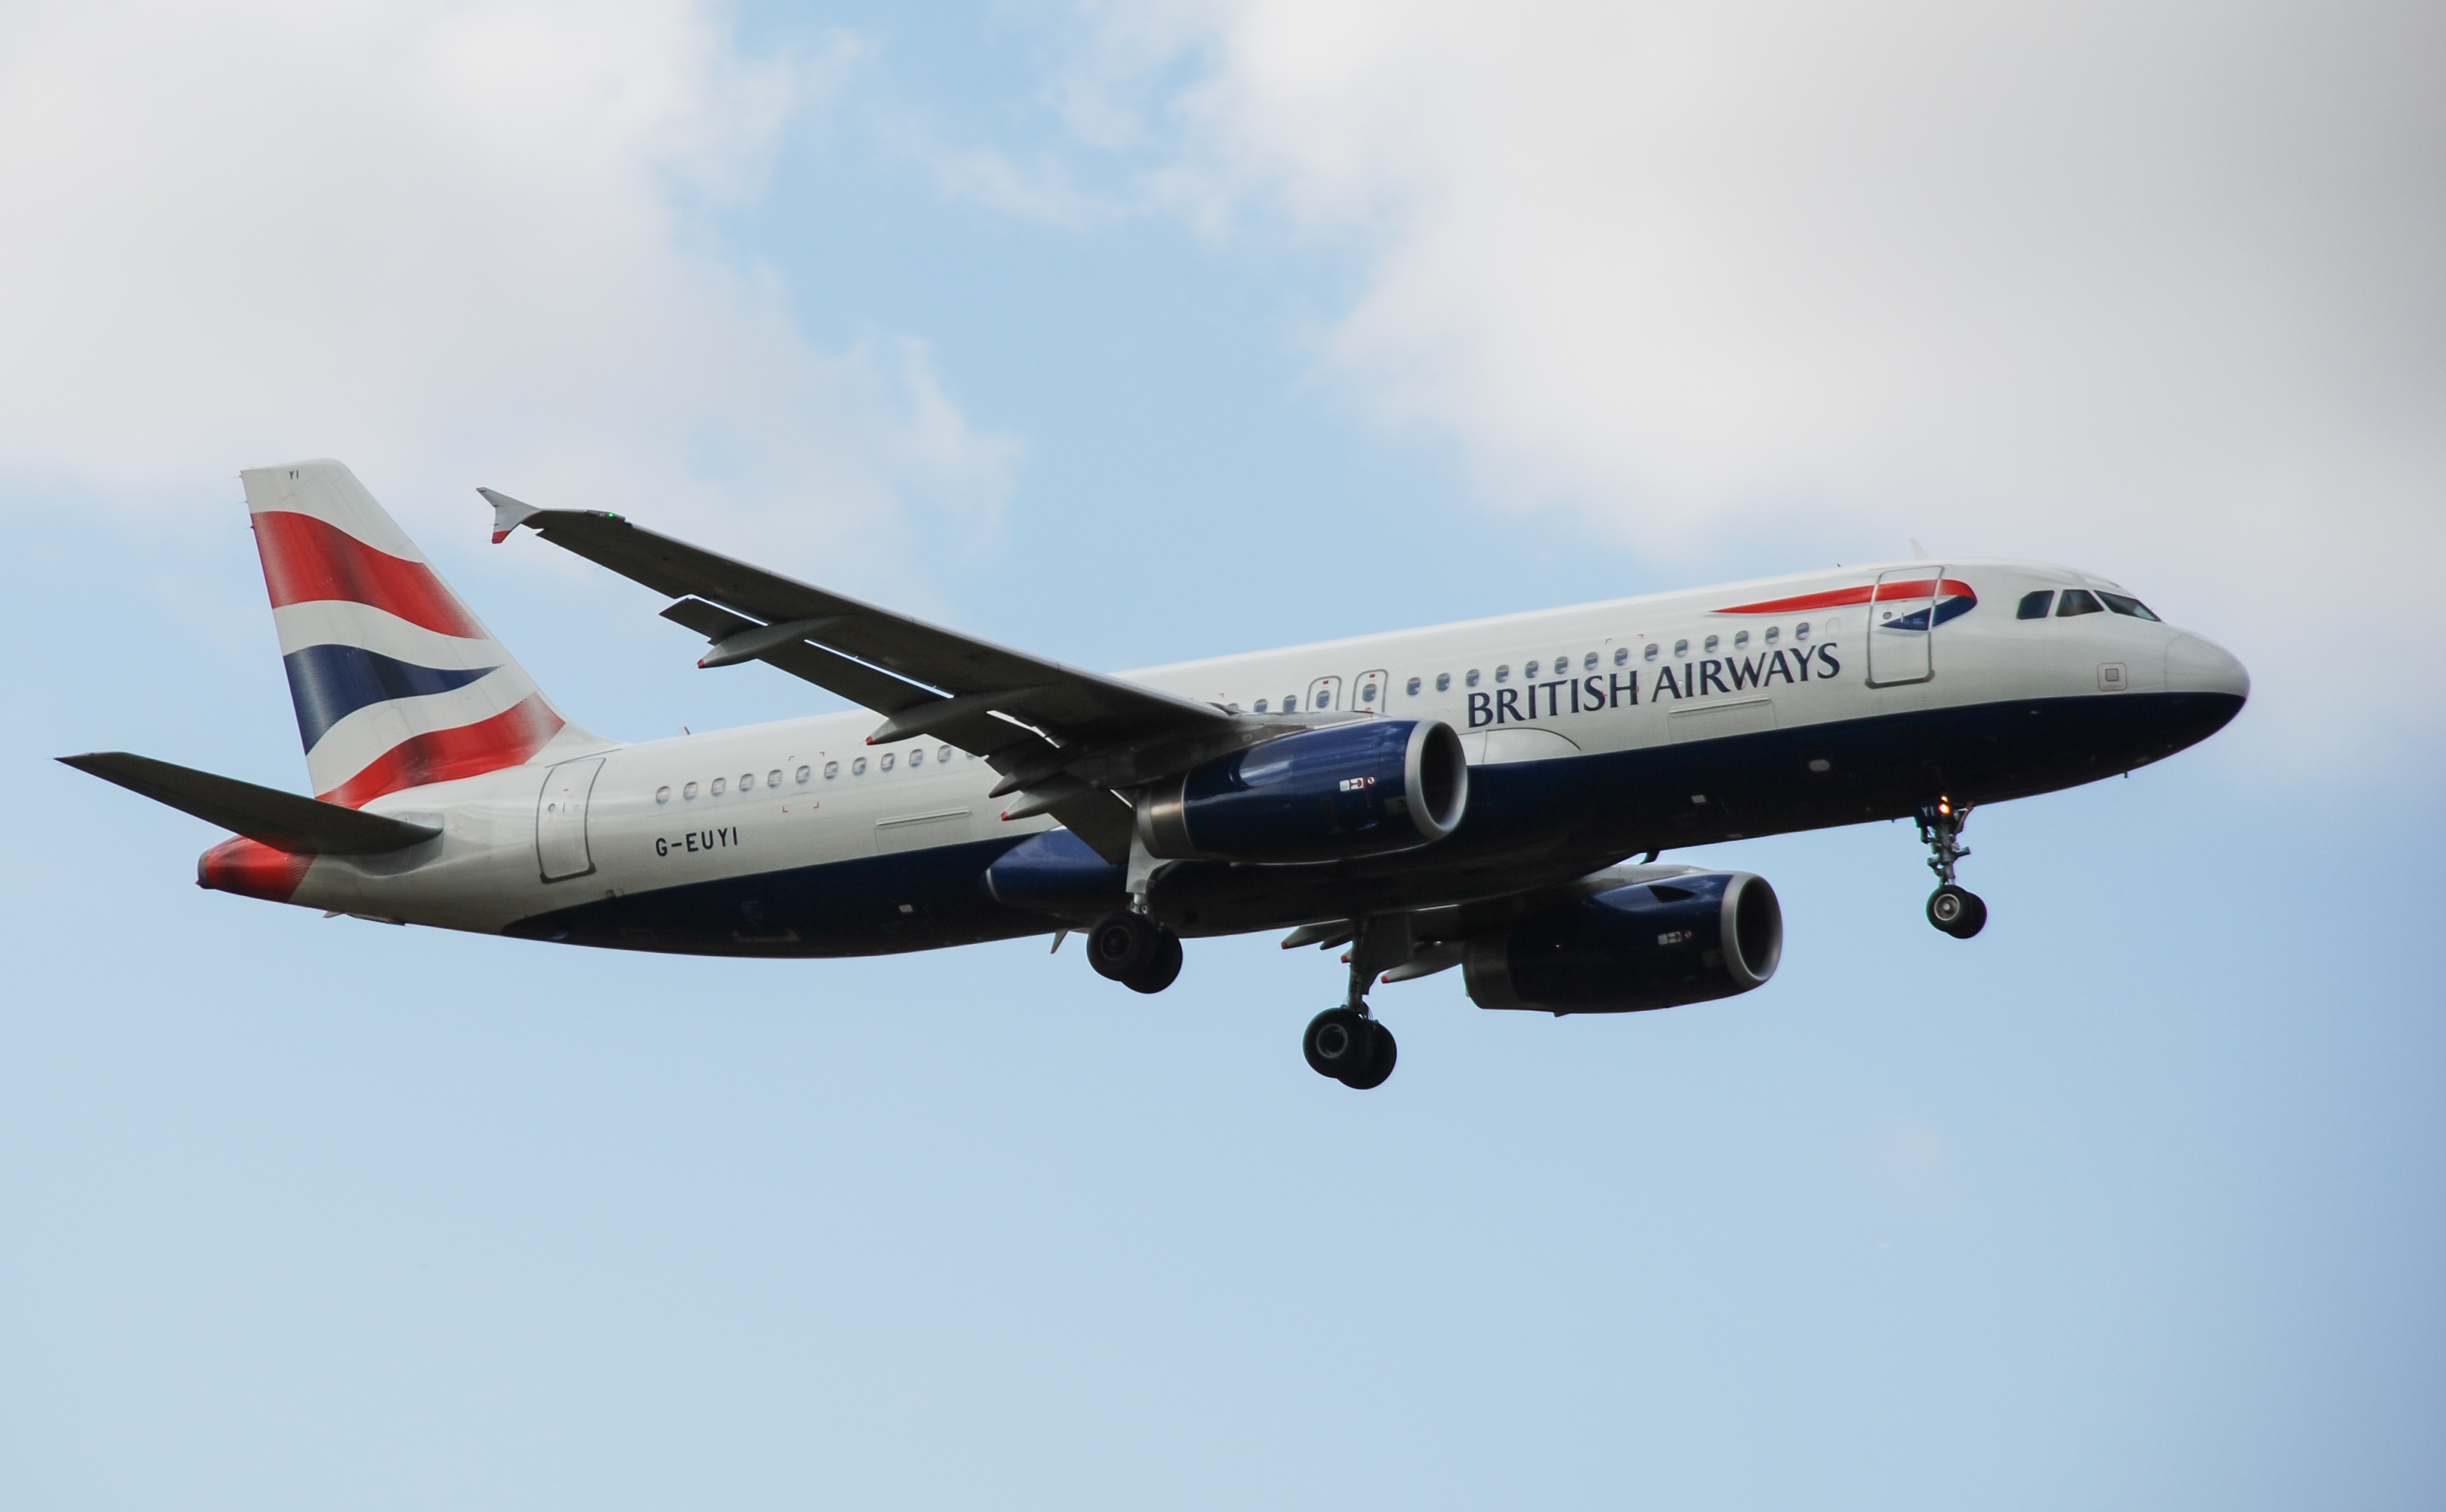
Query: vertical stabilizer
column 395, row 682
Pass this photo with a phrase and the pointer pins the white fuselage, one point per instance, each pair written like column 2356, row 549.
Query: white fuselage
column 1645, row 672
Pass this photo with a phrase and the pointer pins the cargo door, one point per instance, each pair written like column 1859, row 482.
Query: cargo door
column 560, row 819
column 1902, row 619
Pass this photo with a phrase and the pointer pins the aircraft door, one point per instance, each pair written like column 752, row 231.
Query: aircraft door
column 1371, row 692
column 1325, row 694
column 1902, row 620
column 560, row 819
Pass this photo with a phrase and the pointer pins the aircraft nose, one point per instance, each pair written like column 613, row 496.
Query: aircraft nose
column 2196, row 666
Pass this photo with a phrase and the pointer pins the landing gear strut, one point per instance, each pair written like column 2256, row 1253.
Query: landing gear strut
column 1956, row 909
column 1135, row 950
column 1346, row 1043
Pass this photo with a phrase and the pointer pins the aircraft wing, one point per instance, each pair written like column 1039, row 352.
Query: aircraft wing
column 1060, row 735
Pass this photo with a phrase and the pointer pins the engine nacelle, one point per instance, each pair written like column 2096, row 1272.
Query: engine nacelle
column 1642, row 945
column 1326, row 794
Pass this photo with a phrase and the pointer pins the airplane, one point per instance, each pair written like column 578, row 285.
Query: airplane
column 1491, row 795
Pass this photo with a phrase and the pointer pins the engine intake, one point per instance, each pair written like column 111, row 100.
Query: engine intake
column 1642, row 945
column 1326, row 794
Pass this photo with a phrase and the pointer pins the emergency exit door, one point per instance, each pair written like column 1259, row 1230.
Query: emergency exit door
column 560, row 819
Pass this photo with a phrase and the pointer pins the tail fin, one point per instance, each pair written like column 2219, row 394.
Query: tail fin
column 396, row 684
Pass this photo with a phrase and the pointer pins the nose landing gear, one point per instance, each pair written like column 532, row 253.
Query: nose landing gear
column 1955, row 909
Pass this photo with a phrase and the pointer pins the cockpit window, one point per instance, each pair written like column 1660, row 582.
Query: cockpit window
column 2077, row 602
column 2034, row 606
column 2125, row 604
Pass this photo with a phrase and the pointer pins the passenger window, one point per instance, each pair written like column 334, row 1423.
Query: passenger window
column 831, row 770
column 1472, row 678
column 917, row 757
column 1530, row 672
column 1771, row 631
column 805, row 772
column 1653, row 649
column 2034, row 606
column 1261, row 705
column 690, row 791
column 1290, row 703
column 1589, row 662
column 717, row 787
column 943, row 756
column 1622, row 656
column 662, row 795
column 1503, row 675
column 889, row 757
column 1444, row 682
column 2125, row 604
column 1800, row 632
column 858, row 767
column 2077, row 602
column 1681, row 648
column 746, row 782
column 1741, row 640
column 1413, row 689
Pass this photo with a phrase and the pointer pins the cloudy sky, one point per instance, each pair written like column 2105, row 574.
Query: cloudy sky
column 1137, row 332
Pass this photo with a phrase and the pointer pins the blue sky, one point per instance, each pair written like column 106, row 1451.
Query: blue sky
column 1130, row 333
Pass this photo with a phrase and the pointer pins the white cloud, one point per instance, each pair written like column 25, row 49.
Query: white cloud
column 2152, row 289
column 449, row 243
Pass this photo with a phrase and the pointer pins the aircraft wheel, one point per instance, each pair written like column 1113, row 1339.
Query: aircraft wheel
column 1957, row 911
column 1159, row 972
column 1380, row 1063
column 1126, row 945
column 1339, row 1042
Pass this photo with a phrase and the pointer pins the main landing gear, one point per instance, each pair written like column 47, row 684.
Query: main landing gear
column 1346, row 1043
column 1135, row 950
column 1956, row 909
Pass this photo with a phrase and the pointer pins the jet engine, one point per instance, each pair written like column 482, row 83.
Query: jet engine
column 1639, row 945
column 1326, row 794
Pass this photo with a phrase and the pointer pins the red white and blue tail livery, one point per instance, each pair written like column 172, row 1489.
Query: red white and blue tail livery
column 1490, row 795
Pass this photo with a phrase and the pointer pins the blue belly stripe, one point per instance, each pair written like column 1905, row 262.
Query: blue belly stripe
column 330, row 683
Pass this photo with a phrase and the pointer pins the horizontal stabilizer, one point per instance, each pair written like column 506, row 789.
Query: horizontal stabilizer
column 285, row 822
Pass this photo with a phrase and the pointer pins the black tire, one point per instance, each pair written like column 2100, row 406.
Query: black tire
column 1380, row 1063
column 1161, row 972
column 1957, row 911
column 1339, row 1042
column 1124, row 945
column 1973, row 922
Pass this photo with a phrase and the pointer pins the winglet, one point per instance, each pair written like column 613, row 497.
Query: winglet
column 508, row 514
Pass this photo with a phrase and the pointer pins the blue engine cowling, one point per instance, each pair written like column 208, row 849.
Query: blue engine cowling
column 1641, row 945
column 1341, row 790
